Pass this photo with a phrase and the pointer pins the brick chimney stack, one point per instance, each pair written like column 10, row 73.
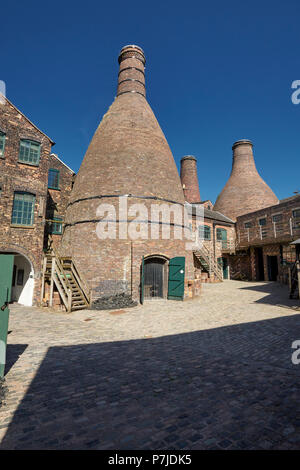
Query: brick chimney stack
column 131, row 77
column 245, row 191
column 189, row 179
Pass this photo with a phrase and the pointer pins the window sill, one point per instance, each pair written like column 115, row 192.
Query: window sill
column 22, row 226
column 55, row 189
column 35, row 165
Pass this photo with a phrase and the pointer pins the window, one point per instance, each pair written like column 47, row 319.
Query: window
column 2, row 143
column 55, row 226
column 248, row 225
column 23, row 209
column 221, row 234
column 277, row 218
column 20, row 277
column 296, row 214
column 29, row 152
column 262, row 222
column 222, row 237
column 53, row 179
column 287, row 254
column 204, row 232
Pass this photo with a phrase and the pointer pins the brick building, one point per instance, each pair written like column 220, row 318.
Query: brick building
column 215, row 230
column 60, row 183
column 25, row 168
column 264, row 238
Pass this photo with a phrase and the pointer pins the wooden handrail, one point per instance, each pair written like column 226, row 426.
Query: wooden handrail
column 80, row 282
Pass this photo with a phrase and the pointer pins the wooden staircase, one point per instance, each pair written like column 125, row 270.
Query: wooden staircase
column 208, row 262
column 62, row 273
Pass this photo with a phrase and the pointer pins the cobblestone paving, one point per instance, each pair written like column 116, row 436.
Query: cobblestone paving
column 213, row 373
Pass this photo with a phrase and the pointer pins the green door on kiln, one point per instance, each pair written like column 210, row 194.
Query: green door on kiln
column 6, row 272
column 176, row 278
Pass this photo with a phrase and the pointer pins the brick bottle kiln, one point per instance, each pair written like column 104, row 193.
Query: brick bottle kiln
column 128, row 157
column 245, row 191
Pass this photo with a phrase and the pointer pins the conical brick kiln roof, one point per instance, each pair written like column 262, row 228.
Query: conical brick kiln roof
column 129, row 153
column 245, row 191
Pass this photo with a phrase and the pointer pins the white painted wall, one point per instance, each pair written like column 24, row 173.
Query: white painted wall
column 23, row 294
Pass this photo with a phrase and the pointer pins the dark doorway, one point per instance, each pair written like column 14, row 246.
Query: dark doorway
column 260, row 275
column 154, row 278
column 272, row 268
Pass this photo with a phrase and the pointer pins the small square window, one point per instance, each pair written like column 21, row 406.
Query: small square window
column 53, row 179
column 277, row 218
column 248, row 224
column 55, row 226
column 296, row 213
column 262, row 222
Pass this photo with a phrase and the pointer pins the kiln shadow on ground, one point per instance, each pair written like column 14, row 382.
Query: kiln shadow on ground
column 233, row 387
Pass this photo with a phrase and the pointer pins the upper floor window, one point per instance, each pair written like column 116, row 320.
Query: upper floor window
column 29, row 152
column 296, row 213
column 248, row 225
column 221, row 234
column 277, row 218
column 262, row 221
column 55, row 226
column 204, row 232
column 53, row 178
column 23, row 208
column 2, row 143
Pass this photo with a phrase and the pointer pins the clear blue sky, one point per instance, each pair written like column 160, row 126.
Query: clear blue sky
column 216, row 72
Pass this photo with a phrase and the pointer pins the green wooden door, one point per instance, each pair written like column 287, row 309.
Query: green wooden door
column 223, row 264
column 176, row 278
column 222, row 236
column 6, row 272
column 142, row 280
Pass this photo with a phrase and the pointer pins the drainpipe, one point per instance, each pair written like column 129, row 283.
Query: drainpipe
column 214, row 239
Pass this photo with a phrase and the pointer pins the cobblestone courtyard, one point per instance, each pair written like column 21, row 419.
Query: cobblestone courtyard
column 214, row 373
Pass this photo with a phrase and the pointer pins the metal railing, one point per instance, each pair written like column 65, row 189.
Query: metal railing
column 227, row 245
column 274, row 230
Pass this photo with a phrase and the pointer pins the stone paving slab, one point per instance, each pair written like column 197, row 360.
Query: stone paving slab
column 213, row 373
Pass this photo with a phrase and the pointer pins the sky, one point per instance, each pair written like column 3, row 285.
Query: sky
column 216, row 72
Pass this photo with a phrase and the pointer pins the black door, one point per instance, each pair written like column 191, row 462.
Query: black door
column 272, row 268
column 260, row 276
column 153, row 278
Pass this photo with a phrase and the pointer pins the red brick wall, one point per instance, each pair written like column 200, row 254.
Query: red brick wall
column 17, row 176
column 57, row 199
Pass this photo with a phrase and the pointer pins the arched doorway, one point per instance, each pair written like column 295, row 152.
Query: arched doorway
column 155, row 277
column 23, row 280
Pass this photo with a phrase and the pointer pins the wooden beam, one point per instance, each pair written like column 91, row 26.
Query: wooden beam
column 52, row 281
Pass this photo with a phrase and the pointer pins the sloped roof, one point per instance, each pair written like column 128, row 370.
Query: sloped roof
column 56, row 156
column 291, row 198
column 209, row 214
column 52, row 142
